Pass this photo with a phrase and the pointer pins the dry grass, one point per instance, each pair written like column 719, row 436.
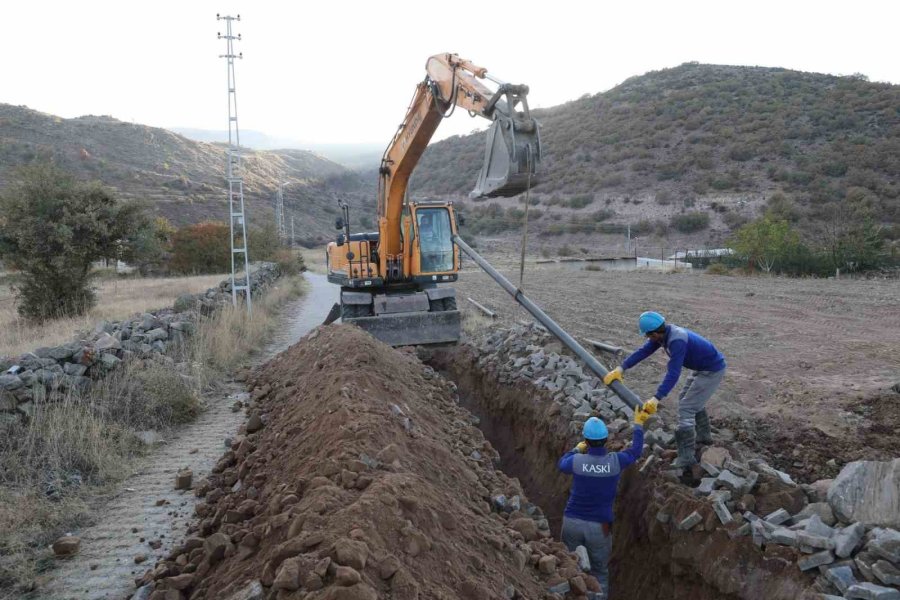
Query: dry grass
column 474, row 321
column 227, row 340
column 117, row 299
column 50, row 466
column 314, row 258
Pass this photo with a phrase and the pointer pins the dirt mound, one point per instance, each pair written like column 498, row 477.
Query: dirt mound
column 360, row 477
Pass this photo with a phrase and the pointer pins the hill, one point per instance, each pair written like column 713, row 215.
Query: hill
column 353, row 156
column 181, row 179
column 723, row 141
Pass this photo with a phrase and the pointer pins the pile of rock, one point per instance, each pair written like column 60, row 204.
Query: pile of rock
column 855, row 557
column 72, row 367
column 523, row 353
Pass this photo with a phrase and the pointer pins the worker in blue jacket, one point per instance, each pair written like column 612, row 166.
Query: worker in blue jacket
column 688, row 350
column 588, row 517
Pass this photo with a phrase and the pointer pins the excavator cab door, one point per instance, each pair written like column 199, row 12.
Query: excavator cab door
column 511, row 155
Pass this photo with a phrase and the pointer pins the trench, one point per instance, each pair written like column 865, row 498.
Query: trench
column 649, row 560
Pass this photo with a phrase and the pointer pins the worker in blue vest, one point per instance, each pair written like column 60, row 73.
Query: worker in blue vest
column 588, row 517
column 688, row 350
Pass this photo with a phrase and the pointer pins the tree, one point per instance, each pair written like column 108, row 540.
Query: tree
column 150, row 247
column 201, row 248
column 53, row 228
column 766, row 241
column 264, row 241
column 852, row 240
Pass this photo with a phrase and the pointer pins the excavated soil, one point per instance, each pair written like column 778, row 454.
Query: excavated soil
column 361, row 477
column 369, row 472
column 651, row 559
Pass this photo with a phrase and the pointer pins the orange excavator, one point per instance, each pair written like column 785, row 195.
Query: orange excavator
column 392, row 279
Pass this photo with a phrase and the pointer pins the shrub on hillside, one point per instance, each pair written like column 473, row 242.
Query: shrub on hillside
column 290, row 262
column 579, row 202
column 690, row 222
column 149, row 247
column 264, row 241
column 201, row 248
column 601, row 215
column 53, row 228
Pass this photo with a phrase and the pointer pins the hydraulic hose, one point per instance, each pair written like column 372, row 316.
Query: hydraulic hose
column 619, row 388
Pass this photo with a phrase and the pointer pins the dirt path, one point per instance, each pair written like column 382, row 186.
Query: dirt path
column 147, row 508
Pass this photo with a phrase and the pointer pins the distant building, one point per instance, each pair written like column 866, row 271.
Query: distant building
column 702, row 253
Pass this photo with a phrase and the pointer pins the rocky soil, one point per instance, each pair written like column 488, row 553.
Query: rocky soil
column 361, row 474
column 361, row 477
column 733, row 527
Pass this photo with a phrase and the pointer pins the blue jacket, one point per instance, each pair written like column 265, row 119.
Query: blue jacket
column 595, row 477
column 685, row 349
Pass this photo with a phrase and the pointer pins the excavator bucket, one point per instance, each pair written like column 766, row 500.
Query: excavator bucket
column 510, row 159
column 413, row 328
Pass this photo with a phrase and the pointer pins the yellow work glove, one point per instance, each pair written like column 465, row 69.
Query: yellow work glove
column 582, row 447
column 650, row 406
column 614, row 375
column 640, row 417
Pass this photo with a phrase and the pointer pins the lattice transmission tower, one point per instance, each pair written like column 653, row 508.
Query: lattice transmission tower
column 237, row 219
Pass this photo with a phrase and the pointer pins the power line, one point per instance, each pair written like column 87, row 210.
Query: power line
column 237, row 221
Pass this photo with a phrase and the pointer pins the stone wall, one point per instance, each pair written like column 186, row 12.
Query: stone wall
column 72, row 367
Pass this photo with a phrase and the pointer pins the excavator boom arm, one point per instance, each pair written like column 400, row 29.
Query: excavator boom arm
column 513, row 140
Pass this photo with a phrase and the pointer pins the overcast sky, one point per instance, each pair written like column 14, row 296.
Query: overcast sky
column 340, row 71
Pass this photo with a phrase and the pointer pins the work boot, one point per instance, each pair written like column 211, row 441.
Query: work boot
column 685, row 440
column 704, row 433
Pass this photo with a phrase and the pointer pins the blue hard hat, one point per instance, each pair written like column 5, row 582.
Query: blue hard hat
column 595, row 429
column 650, row 321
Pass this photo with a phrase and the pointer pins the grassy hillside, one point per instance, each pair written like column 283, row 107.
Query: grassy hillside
column 710, row 139
column 182, row 179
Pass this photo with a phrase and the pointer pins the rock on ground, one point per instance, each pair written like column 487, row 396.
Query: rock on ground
column 869, row 492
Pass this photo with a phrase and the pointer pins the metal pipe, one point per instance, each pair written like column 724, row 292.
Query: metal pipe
column 488, row 312
column 496, row 80
column 606, row 347
column 626, row 395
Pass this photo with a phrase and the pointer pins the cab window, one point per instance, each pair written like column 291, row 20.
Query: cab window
column 435, row 241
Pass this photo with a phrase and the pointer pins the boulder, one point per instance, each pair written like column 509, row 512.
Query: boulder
column 715, row 456
column 775, row 494
column 526, row 526
column 10, row 382
column 869, row 492
column 185, row 302
column 106, row 342
column 8, row 402
column 66, row 545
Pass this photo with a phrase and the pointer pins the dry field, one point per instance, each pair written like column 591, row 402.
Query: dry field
column 117, row 299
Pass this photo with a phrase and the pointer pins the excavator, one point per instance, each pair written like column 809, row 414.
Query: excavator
column 392, row 280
